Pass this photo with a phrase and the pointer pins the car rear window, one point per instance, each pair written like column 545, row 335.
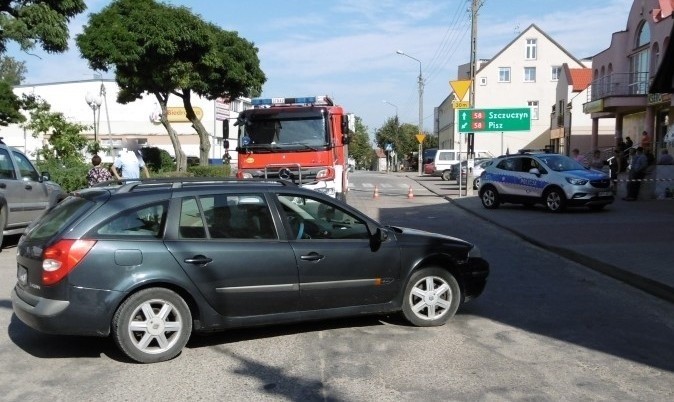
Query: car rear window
column 58, row 218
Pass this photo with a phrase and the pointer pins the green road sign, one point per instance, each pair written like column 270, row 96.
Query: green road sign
column 509, row 119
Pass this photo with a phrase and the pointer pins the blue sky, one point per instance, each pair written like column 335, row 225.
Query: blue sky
column 347, row 48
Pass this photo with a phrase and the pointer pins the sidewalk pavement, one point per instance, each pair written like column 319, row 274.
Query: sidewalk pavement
column 629, row 241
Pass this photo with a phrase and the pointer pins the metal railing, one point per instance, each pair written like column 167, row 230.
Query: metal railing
column 619, row 84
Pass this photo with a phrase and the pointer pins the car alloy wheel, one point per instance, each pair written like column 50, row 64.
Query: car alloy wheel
column 489, row 198
column 432, row 297
column 554, row 200
column 152, row 325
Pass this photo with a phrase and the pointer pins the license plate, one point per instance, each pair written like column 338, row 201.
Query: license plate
column 605, row 194
column 22, row 275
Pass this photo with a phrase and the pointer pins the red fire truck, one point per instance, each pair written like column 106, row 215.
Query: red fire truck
column 299, row 139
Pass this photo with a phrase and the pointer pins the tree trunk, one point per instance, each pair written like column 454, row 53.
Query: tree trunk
column 204, row 136
column 181, row 159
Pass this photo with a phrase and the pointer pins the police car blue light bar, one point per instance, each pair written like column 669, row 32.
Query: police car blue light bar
column 321, row 100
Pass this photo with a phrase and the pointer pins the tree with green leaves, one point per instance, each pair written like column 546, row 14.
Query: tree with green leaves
column 165, row 50
column 12, row 71
column 10, row 105
column 38, row 22
column 401, row 136
column 30, row 23
column 65, row 139
column 360, row 147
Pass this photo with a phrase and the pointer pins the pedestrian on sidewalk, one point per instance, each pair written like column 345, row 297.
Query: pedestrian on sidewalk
column 665, row 158
column 98, row 173
column 645, row 141
column 128, row 166
column 575, row 154
column 597, row 162
column 637, row 173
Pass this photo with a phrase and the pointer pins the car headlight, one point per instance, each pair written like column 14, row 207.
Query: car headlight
column 576, row 181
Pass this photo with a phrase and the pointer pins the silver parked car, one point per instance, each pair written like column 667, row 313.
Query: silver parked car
column 25, row 194
column 554, row 180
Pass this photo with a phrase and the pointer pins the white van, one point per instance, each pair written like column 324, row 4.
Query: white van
column 445, row 158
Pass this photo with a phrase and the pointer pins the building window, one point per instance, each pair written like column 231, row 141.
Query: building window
column 531, row 49
column 643, row 35
column 534, row 109
column 483, row 81
column 529, row 74
column 504, row 74
column 556, row 72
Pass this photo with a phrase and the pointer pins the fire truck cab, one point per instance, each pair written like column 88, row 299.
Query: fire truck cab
column 304, row 140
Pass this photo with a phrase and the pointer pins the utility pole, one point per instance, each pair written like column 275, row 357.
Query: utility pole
column 474, row 7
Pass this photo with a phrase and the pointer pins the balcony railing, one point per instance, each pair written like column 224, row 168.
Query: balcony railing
column 618, row 84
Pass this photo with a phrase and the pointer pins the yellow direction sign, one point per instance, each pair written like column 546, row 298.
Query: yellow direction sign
column 460, row 87
column 460, row 104
column 421, row 137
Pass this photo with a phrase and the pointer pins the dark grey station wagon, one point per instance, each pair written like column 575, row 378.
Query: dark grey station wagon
column 150, row 262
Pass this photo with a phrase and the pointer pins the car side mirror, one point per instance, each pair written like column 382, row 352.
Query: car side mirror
column 46, row 176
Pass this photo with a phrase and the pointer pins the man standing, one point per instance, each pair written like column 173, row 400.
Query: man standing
column 665, row 158
column 645, row 140
column 130, row 164
column 637, row 173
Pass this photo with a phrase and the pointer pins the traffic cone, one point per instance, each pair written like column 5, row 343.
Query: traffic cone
column 376, row 192
column 410, row 194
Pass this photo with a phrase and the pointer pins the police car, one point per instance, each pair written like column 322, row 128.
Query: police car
column 554, row 180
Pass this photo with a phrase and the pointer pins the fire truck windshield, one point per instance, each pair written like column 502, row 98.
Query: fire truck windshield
column 284, row 131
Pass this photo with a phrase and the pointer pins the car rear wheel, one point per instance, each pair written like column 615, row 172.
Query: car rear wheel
column 432, row 297
column 476, row 183
column 152, row 325
column 554, row 200
column 489, row 197
column 446, row 175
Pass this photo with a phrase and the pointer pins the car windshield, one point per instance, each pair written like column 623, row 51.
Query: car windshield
column 284, row 131
column 560, row 163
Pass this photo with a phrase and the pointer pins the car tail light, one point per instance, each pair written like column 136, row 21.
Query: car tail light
column 326, row 174
column 62, row 257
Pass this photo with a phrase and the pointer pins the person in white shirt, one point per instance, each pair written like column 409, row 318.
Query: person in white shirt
column 130, row 165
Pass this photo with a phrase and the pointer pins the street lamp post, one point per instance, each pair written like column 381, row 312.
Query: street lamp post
column 94, row 102
column 421, row 103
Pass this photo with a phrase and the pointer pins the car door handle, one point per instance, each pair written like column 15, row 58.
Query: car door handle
column 29, row 187
column 313, row 256
column 198, row 260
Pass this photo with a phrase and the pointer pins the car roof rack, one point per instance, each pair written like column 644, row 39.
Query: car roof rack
column 128, row 185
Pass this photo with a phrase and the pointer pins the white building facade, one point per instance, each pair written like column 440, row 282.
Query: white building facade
column 523, row 74
column 135, row 124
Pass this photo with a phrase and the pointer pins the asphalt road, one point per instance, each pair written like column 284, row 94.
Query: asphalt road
column 545, row 329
